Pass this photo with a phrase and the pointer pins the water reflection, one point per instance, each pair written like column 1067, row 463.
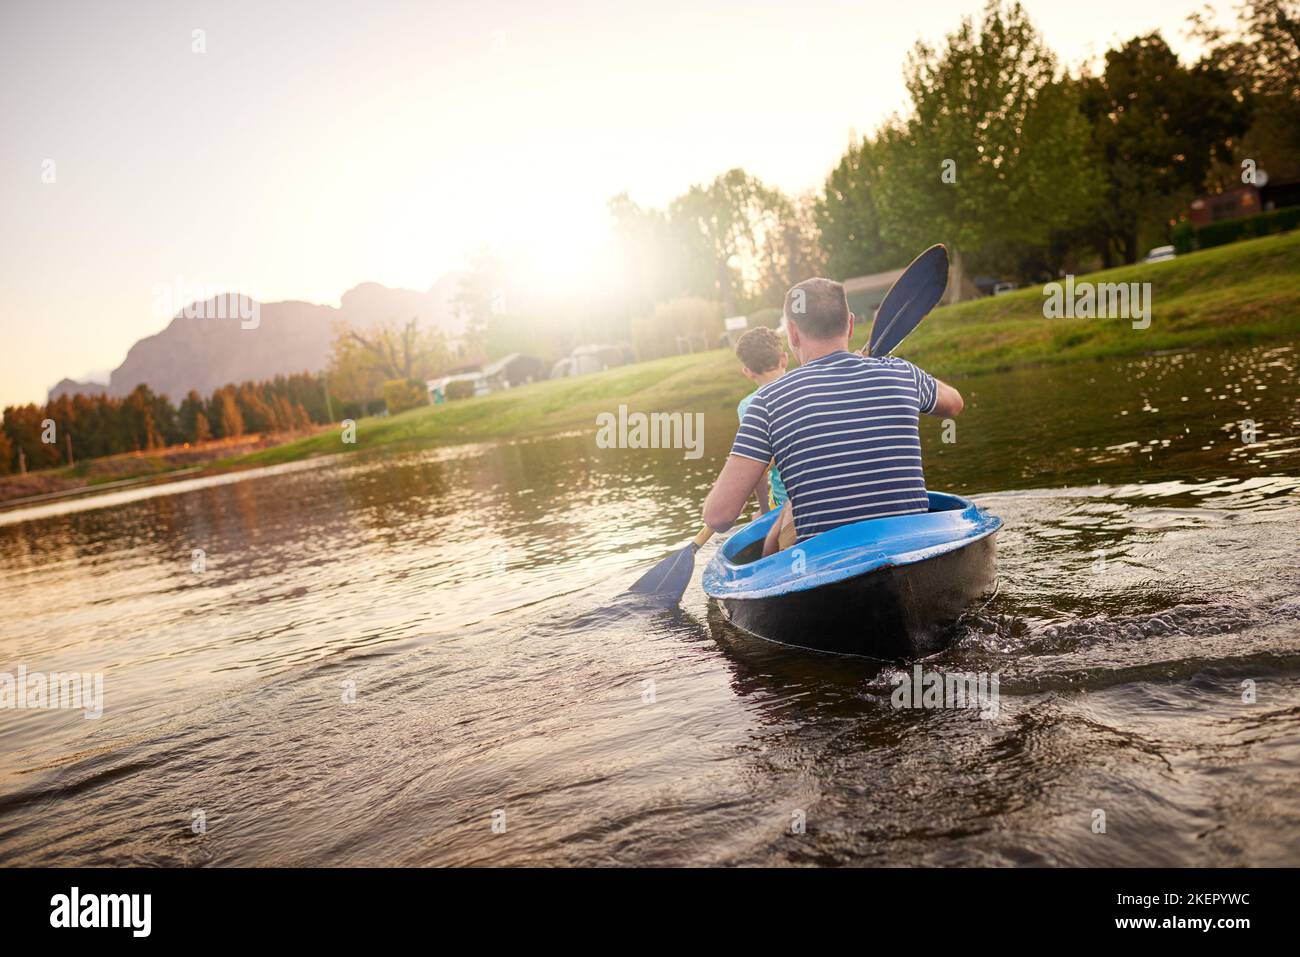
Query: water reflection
column 471, row 598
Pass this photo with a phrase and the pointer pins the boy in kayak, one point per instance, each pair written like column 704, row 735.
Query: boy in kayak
column 842, row 428
column 762, row 360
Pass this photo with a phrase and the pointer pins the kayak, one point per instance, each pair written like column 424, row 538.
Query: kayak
column 888, row 588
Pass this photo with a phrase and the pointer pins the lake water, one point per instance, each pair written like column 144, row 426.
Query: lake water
column 383, row 659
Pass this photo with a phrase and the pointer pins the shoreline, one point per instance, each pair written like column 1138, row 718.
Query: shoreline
column 1235, row 295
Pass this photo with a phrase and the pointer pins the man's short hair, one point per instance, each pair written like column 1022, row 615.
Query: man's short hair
column 818, row 307
column 760, row 349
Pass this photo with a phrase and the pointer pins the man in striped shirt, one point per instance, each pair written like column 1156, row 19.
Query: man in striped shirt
column 842, row 428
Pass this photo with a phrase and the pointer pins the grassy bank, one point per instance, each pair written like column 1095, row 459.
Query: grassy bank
column 1240, row 294
column 1231, row 295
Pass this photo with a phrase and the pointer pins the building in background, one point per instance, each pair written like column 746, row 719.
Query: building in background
column 593, row 358
column 1244, row 200
column 514, row 370
column 866, row 293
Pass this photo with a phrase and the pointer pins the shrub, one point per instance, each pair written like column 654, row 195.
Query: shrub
column 1187, row 237
column 459, row 389
column 403, row 394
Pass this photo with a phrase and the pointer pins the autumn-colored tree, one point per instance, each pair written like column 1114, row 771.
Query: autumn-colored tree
column 24, row 424
column 257, row 414
column 365, row 358
column 228, row 420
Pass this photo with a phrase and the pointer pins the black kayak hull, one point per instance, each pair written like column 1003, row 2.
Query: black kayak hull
column 894, row 614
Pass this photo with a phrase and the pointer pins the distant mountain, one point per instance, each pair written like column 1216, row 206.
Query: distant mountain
column 205, row 352
column 73, row 387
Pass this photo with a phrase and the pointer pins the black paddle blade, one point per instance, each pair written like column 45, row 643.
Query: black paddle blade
column 667, row 581
column 909, row 300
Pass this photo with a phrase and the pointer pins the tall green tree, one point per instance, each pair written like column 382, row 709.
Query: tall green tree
column 733, row 217
column 791, row 250
column 1158, row 127
column 993, row 155
column 848, row 221
column 1261, row 56
column 191, row 409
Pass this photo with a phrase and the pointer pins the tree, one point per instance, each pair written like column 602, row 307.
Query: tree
column 364, row 359
column 993, row 156
column 7, row 455
column 226, row 416
column 138, row 417
column 96, row 418
column 22, row 424
column 481, row 294
column 257, row 413
column 792, row 249
column 1158, row 127
column 188, row 417
column 1261, row 58
column 848, row 221
column 733, row 216
column 659, row 258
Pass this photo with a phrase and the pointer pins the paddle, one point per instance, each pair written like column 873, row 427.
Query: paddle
column 908, row 301
column 666, row 582
column 912, row 295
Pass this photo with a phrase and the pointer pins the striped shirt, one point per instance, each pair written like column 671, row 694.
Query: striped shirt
column 843, row 431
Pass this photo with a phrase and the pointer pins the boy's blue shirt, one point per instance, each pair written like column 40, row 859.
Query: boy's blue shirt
column 779, row 496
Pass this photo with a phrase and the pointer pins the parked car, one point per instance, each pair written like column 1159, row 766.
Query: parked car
column 1160, row 254
column 992, row 285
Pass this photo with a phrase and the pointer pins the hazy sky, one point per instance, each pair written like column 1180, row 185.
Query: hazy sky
column 315, row 145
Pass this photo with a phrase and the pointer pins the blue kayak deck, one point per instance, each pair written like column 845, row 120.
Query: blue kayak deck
column 845, row 552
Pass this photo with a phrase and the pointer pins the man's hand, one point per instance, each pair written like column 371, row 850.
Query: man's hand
column 731, row 491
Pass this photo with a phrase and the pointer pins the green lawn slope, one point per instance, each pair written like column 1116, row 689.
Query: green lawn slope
column 1243, row 293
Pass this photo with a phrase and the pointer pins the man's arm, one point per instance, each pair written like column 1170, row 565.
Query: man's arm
column 947, row 402
column 730, row 492
column 762, row 492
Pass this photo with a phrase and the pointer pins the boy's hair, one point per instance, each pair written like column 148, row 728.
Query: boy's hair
column 760, row 350
column 818, row 307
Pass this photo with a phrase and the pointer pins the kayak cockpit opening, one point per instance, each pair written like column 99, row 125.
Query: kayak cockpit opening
column 750, row 553
column 746, row 549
